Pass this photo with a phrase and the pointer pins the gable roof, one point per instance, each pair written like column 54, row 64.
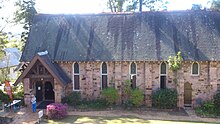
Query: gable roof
column 52, row 68
column 148, row 36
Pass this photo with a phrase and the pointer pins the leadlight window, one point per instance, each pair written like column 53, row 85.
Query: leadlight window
column 104, row 75
column 195, row 68
column 133, row 73
column 163, row 75
column 76, row 75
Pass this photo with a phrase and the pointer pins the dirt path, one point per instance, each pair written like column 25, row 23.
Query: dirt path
column 25, row 116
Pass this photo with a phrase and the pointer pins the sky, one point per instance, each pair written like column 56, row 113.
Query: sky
column 97, row 6
column 81, row 7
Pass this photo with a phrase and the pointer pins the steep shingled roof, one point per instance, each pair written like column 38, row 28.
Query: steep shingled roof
column 149, row 36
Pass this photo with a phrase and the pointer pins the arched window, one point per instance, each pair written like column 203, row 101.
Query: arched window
column 104, row 75
column 76, row 84
column 195, row 68
column 163, row 75
column 133, row 73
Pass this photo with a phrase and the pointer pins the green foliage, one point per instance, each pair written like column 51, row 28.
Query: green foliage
column 132, row 97
column 216, row 100
column 4, row 97
column 3, row 42
column 215, row 4
column 18, row 92
column 208, row 109
column 175, row 62
column 164, row 98
column 93, row 104
column 155, row 5
column 137, row 97
column 111, row 95
column 132, row 5
column 127, row 89
column 24, row 15
column 73, row 99
column 116, row 5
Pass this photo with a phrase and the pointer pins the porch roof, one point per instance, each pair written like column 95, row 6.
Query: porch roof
column 53, row 68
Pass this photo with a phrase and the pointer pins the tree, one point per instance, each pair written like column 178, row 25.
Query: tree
column 133, row 5
column 215, row 4
column 3, row 42
column 155, row 5
column 24, row 15
column 116, row 5
column 196, row 7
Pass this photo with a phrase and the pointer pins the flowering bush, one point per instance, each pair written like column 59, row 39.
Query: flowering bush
column 56, row 110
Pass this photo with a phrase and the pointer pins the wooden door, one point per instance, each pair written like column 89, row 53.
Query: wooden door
column 187, row 94
column 49, row 93
column 39, row 91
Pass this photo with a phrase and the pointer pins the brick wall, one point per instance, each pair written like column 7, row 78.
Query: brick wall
column 148, row 79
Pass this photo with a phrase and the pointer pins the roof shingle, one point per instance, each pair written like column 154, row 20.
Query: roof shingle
column 148, row 36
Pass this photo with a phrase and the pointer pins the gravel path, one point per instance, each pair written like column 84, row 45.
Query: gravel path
column 25, row 116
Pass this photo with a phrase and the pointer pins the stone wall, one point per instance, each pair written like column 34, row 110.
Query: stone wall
column 204, row 86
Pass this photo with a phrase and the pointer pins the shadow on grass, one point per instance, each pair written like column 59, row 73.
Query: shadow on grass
column 113, row 120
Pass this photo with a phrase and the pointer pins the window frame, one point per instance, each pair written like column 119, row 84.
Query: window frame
column 131, row 75
column 163, row 74
column 192, row 69
column 102, row 74
column 75, row 74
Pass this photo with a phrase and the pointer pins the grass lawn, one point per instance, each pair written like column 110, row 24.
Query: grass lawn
column 112, row 120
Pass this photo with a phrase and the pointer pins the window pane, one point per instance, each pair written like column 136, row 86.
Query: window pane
column 162, row 82
column 133, row 68
column 76, row 82
column 163, row 68
column 76, row 68
column 104, row 81
column 104, row 68
column 195, row 68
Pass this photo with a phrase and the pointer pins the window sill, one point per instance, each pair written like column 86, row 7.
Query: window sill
column 76, row 90
column 195, row 75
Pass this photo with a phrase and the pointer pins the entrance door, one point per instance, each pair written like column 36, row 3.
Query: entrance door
column 187, row 94
column 49, row 93
column 39, row 91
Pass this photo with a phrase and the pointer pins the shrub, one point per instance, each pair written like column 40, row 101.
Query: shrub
column 4, row 97
column 216, row 100
column 208, row 106
column 164, row 98
column 56, row 110
column 93, row 104
column 73, row 99
column 207, row 109
column 137, row 97
column 111, row 95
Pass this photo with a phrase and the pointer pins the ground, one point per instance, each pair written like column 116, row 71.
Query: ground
column 25, row 116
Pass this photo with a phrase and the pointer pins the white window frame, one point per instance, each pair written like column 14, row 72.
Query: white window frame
column 103, row 74
column 163, row 74
column 73, row 74
column 192, row 69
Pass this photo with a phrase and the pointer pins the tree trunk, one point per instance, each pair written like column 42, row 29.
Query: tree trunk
column 140, row 7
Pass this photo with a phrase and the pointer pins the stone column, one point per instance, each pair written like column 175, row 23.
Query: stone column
column 89, row 89
column 213, row 80
column 148, row 84
column 118, row 79
column 180, row 93
column 58, row 91
column 27, row 95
